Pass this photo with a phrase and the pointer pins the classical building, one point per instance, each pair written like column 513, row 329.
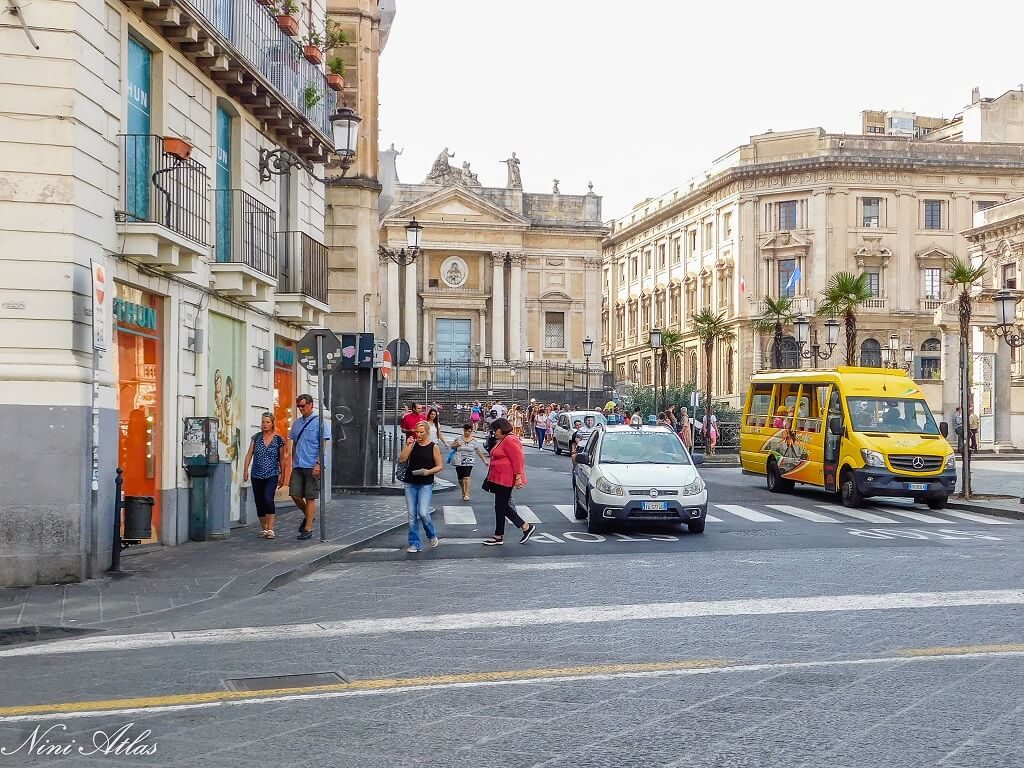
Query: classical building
column 503, row 270
column 154, row 270
column 778, row 216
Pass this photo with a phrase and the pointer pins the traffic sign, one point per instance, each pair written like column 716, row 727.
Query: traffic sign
column 399, row 349
column 330, row 349
column 385, row 365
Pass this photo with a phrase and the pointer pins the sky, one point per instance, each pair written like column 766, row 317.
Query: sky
column 640, row 96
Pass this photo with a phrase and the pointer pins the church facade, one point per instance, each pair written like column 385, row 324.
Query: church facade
column 502, row 271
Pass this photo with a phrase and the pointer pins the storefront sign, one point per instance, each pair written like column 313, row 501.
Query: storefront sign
column 284, row 357
column 100, row 302
column 138, row 315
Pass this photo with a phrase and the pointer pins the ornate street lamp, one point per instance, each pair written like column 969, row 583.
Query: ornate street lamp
column 345, row 129
column 801, row 329
column 529, row 372
column 588, row 350
column 413, row 237
column 487, row 364
column 891, row 354
column 655, row 341
column 1006, row 318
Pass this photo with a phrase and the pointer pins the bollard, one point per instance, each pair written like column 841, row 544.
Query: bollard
column 115, row 554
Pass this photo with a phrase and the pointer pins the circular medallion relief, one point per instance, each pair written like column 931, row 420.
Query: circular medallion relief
column 454, row 272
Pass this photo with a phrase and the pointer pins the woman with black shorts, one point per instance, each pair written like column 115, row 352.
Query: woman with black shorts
column 466, row 450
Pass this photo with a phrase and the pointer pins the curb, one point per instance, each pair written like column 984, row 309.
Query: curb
column 964, row 506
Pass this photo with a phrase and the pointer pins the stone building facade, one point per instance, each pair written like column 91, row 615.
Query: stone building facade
column 142, row 287
column 778, row 216
column 502, row 271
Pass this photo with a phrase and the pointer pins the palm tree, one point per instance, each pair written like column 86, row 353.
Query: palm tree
column 710, row 328
column 777, row 314
column 671, row 344
column 962, row 275
column 844, row 295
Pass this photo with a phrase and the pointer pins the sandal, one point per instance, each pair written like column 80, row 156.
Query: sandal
column 270, row 534
column 263, row 533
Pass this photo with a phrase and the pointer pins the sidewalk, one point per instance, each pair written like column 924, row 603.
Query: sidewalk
column 164, row 582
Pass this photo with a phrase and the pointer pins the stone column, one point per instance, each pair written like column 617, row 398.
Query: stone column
column 950, row 376
column 392, row 290
column 412, row 313
column 498, row 307
column 1001, row 406
column 482, row 332
column 515, row 308
column 592, row 308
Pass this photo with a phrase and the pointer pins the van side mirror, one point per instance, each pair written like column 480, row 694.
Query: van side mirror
column 835, row 426
column 944, row 429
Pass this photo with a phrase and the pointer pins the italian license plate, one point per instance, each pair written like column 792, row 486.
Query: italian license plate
column 917, row 486
column 654, row 506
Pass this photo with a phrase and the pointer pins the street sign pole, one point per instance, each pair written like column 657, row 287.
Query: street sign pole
column 320, row 363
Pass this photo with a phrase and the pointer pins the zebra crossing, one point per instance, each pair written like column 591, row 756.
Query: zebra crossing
column 466, row 515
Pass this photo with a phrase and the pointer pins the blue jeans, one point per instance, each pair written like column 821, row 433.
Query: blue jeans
column 417, row 499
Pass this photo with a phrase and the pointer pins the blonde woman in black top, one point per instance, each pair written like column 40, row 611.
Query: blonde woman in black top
column 424, row 461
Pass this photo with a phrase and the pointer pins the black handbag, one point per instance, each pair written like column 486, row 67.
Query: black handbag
column 487, row 486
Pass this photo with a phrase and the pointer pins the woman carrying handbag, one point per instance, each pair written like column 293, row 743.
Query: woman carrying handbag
column 507, row 473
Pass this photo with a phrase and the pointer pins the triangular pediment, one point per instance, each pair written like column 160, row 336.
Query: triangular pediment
column 779, row 241
column 458, row 205
column 933, row 253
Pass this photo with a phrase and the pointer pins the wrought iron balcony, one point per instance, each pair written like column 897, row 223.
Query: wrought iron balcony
column 246, row 246
column 302, row 283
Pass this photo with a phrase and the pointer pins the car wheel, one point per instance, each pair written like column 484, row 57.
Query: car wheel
column 594, row 523
column 696, row 526
column 775, row 481
column 848, row 490
column 579, row 510
column 558, row 451
column 936, row 502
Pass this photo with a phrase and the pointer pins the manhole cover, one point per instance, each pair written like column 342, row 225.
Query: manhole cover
column 284, row 681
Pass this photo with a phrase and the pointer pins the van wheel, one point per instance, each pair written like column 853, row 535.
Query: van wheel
column 775, row 481
column 936, row 502
column 848, row 491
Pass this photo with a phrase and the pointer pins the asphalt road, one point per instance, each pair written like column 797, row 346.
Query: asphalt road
column 811, row 639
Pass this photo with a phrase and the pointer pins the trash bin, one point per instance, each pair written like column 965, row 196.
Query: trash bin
column 138, row 518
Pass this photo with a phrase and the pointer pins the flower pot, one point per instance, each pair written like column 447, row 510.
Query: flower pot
column 312, row 54
column 288, row 24
column 336, row 82
column 179, row 148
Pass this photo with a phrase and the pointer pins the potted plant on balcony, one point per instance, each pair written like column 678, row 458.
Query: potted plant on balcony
column 285, row 12
column 334, row 37
column 312, row 46
column 177, row 147
column 311, row 95
column 335, row 75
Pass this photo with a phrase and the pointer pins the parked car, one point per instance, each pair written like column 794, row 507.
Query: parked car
column 561, row 433
column 638, row 474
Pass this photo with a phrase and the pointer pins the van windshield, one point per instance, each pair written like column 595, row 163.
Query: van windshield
column 889, row 414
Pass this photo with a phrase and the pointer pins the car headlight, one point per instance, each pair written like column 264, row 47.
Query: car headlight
column 951, row 461
column 692, row 489
column 872, row 458
column 605, row 487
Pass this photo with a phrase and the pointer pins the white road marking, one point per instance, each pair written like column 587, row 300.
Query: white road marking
column 713, row 519
column 921, row 518
column 527, row 514
column 896, row 660
column 592, row 614
column 747, row 513
column 856, row 514
column 983, row 519
column 459, row 516
column 568, row 512
column 556, row 566
column 806, row 514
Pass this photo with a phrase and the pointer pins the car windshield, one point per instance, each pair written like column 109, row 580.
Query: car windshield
column 636, row 447
column 888, row 414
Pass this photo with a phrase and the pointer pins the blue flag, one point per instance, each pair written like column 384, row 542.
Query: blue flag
column 793, row 280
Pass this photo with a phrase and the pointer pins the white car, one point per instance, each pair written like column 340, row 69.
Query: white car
column 638, row 474
column 561, row 433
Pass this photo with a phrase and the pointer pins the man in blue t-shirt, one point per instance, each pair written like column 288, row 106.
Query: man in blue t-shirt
column 304, row 486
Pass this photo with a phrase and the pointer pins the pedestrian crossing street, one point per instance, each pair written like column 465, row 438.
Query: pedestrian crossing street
column 465, row 515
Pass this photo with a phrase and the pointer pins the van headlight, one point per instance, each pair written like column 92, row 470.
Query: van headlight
column 872, row 458
column 605, row 487
column 692, row 489
column 951, row 461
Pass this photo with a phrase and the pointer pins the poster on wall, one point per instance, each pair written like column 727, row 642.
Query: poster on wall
column 227, row 396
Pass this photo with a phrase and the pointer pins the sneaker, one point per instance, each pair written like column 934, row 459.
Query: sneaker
column 528, row 533
column 492, row 542
column 434, row 542
column 413, row 550
column 305, row 536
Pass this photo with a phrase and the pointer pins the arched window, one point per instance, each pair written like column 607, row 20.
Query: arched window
column 648, row 373
column 677, row 370
column 789, row 353
column 870, row 354
column 931, row 345
column 634, row 373
column 622, row 372
column 692, row 377
column 730, row 371
column 930, row 360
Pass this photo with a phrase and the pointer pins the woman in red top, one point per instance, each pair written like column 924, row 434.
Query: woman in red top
column 507, row 473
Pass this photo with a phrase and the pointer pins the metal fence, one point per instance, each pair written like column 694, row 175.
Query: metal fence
column 246, row 231
column 303, row 264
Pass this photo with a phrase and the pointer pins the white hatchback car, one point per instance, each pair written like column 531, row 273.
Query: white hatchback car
column 638, row 474
column 561, row 433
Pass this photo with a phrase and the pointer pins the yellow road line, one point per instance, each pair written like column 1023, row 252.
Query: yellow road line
column 959, row 650
column 207, row 697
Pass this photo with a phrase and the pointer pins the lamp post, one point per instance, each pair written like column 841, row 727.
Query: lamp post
column 588, row 350
column 487, row 365
column 655, row 342
column 529, row 372
column 802, row 327
column 891, row 354
column 1006, row 317
column 345, row 129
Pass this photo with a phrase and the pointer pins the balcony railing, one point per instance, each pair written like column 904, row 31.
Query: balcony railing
column 161, row 189
column 246, row 231
column 878, row 303
column 252, row 31
column 930, row 305
column 303, row 265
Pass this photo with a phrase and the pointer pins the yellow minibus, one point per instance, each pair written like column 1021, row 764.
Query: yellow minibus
column 858, row 432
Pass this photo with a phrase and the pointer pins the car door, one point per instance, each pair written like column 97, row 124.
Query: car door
column 583, row 472
column 561, row 430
